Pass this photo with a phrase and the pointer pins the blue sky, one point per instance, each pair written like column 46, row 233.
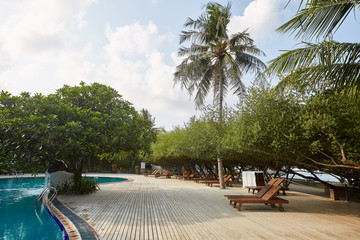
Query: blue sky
column 128, row 45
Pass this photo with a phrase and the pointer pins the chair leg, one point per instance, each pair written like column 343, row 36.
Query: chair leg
column 240, row 204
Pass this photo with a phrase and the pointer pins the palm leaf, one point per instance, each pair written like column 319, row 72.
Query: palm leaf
column 213, row 61
column 328, row 64
column 319, row 17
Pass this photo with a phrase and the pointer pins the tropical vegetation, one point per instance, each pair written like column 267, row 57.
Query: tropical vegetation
column 313, row 127
column 277, row 134
column 86, row 126
column 323, row 64
column 215, row 60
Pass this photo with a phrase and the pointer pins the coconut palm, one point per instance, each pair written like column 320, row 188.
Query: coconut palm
column 327, row 64
column 214, row 59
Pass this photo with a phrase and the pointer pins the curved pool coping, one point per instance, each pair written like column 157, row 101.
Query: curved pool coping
column 67, row 227
column 72, row 225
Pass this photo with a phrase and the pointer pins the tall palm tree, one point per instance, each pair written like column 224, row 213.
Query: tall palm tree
column 214, row 60
column 326, row 64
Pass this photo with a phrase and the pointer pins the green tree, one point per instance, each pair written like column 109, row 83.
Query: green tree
column 110, row 125
column 215, row 60
column 329, row 140
column 325, row 64
column 259, row 128
column 81, row 124
column 194, row 146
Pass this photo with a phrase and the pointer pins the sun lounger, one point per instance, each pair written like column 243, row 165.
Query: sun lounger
column 266, row 195
column 258, row 188
column 189, row 177
column 153, row 173
column 183, row 176
column 166, row 174
column 207, row 178
column 227, row 181
column 276, row 182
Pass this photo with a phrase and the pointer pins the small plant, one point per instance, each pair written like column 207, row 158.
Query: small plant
column 85, row 186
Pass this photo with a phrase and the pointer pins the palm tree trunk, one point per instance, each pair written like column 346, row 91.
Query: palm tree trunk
column 221, row 174
column 219, row 160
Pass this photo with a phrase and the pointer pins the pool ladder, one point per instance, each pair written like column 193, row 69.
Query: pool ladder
column 18, row 174
column 47, row 190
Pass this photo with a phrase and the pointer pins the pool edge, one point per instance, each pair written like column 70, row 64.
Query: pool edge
column 75, row 226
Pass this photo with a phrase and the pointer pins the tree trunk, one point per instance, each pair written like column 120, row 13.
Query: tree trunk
column 78, row 171
column 219, row 160
column 133, row 161
column 221, row 174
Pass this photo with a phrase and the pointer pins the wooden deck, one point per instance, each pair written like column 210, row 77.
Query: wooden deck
column 149, row 208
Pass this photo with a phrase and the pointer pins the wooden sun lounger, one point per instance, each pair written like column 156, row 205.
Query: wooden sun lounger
column 253, row 188
column 266, row 195
column 227, row 181
column 184, row 175
column 207, row 178
column 258, row 188
column 271, row 182
column 189, row 177
column 153, row 173
column 275, row 183
column 166, row 174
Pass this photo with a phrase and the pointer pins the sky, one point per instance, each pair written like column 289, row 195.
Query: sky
column 130, row 46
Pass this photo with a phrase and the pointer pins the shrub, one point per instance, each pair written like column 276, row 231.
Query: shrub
column 85, row 186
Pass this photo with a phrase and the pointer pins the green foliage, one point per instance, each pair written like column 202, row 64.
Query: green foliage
column 323, row 65
column 87, row 122
column 197, row 144
column 215, row 60
column 319, row 17
column 278, row 132
column 84, row 186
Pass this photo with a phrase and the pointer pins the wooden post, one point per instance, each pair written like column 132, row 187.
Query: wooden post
column 334, row 193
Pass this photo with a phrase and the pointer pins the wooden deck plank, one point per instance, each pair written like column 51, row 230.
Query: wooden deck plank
column 149, row 208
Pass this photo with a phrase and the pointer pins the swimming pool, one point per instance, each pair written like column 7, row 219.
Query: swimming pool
column 19, row 219
column 107, row 179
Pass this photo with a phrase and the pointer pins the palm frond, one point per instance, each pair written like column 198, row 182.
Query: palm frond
column 242, row 42
column 213, row 61
column 319, row 18
column 319, row 77
column 204, row 85
column 249, row 63
column 319, row 66
column 195, row 74
column 325, row 53
column 193, row 50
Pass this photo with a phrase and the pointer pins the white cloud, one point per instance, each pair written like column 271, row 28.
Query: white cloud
column 41, row 49
column 135, row 67
column 36, row 38
column 41, row 22
column 261, row 18
column 133, row 40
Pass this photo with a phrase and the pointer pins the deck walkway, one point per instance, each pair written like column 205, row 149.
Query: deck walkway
column 149, row 208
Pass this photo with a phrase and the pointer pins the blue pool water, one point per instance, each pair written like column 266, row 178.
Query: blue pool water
column 19, row 219
column 107, row 179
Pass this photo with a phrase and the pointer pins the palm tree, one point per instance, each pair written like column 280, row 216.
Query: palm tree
column 323, row 65
column 214, row 60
